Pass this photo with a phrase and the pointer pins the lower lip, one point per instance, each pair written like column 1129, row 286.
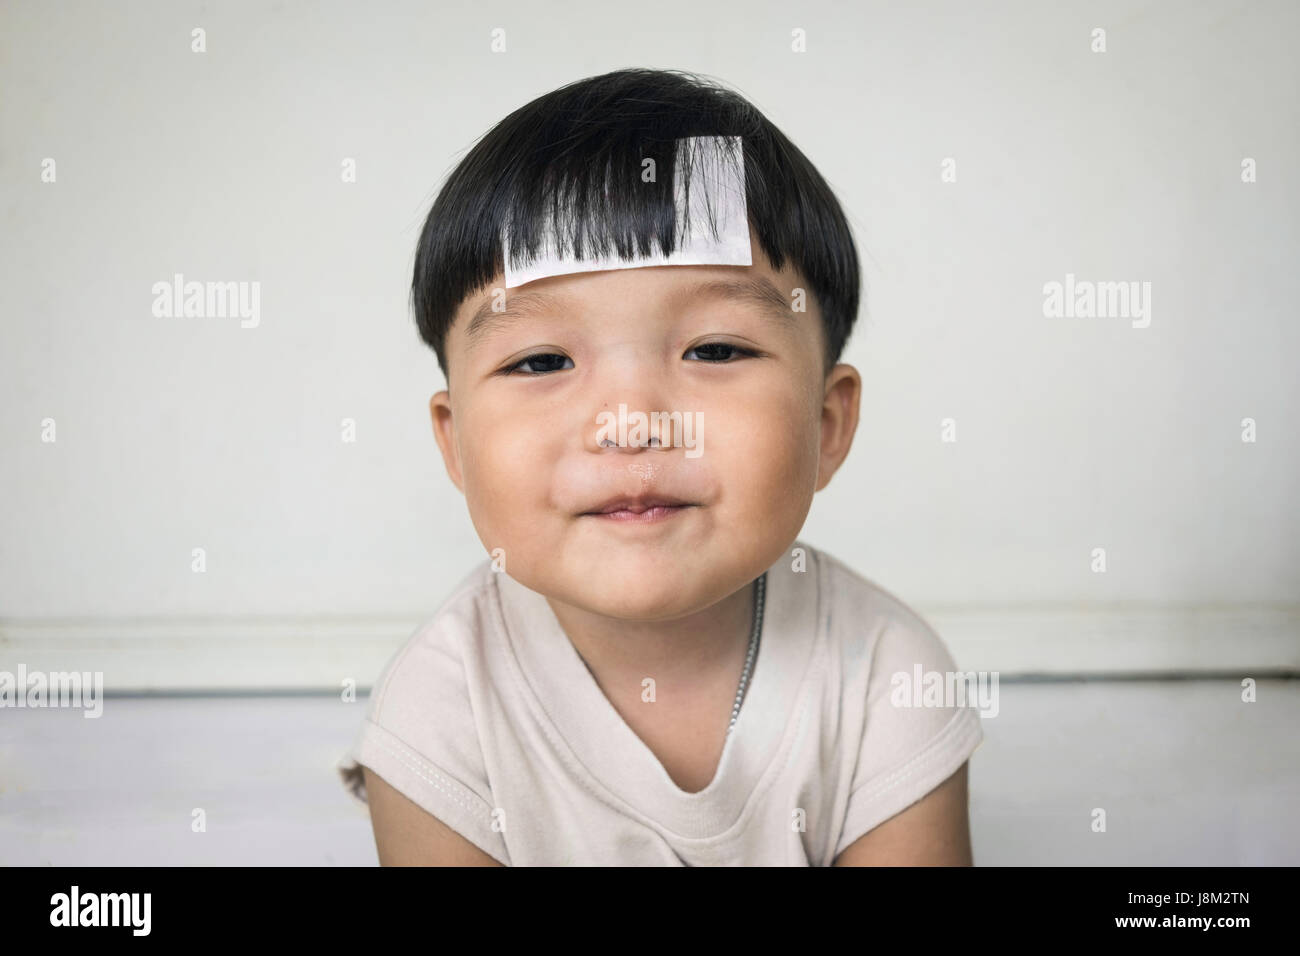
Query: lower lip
column 649, row 516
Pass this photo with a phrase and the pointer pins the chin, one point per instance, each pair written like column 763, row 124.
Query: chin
column 636, row 593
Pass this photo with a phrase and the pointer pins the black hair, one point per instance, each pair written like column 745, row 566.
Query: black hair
column 569, row 148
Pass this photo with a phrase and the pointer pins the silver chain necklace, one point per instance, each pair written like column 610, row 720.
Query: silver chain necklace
column 759, row 603
column 753, row 647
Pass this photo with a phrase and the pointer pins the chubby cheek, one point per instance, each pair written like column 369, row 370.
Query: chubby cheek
column 768, row 462
column 504, row 460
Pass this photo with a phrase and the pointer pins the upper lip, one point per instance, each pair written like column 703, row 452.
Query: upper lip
column 636, row 503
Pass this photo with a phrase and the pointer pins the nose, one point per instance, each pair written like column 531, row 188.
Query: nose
column 632, row 415
column 631, row 428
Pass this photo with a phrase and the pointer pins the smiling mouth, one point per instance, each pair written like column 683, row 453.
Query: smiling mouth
column 639, row 515
column 634, row 511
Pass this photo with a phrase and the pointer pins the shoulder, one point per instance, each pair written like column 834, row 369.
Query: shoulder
column 911, row 733
column 422, row 732
column 436, row 654
column 425, row 707
column 871, row 624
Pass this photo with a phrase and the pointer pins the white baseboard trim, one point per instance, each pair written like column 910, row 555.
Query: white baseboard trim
column 1122, row 640
column 143, row 656
column 153, row 656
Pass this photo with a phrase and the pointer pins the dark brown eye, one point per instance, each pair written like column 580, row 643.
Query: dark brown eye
column 543, row 362
column 718, row 352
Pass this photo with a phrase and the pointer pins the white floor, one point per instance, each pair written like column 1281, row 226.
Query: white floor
column 1187, row 773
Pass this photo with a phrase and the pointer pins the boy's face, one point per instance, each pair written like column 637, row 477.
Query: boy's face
column 768, row 429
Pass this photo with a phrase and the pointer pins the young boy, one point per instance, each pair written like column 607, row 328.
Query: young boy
column 651, row 668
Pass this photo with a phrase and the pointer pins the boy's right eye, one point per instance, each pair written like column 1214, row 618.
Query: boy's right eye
column 542, row 359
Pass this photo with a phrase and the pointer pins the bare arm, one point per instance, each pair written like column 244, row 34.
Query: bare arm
column 934, row 831
column 407, row 835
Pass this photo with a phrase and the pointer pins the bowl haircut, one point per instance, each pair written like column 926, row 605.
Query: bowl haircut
column 565, row 171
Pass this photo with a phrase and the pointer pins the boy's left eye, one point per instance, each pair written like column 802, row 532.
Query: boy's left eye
column 713, row 348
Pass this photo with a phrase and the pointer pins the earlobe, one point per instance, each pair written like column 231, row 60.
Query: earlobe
column 444, row 432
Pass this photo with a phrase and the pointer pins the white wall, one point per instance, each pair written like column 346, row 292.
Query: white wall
column 1072, row 434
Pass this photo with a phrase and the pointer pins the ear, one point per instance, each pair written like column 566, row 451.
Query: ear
column 839, row 420
column 444, row 432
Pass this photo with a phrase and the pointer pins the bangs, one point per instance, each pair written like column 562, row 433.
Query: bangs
column 626, row 200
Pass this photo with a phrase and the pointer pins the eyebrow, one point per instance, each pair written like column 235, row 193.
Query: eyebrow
column 757, row 292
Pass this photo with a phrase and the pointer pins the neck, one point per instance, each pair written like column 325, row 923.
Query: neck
column 687, row 649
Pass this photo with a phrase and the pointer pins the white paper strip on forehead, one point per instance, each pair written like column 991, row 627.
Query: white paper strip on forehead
column 717, row 187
